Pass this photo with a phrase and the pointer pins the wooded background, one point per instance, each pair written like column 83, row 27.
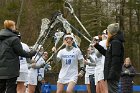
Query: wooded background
column 95, row 15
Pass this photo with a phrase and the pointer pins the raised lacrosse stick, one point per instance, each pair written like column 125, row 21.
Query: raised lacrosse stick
column 58, row 36
column 54, row 53
column 44, row 26
column 47, row 31
column 67, row 26
column 69, row 7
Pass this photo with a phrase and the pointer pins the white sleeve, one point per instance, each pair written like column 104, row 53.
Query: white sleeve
column 59, row 54
column 40, row 61
column 25, row 47
column 28, row 49
column 103, row 44
column 80, row 56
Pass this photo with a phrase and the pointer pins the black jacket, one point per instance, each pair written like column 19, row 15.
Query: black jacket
column 114, row 56
column 10, row 51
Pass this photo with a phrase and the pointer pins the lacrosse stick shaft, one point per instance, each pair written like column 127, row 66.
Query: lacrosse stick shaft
column 48, row 32
column 43, row 52
column 135, row 73
column 80, row 33
column 81, row 24
column 68, row 25
column 44, row 38
column 70, row 8
column 43, row 41
column 54, row 53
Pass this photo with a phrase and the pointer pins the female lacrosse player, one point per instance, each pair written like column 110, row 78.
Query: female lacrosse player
column 69, row 56
column 34, row 74
column 23, row 71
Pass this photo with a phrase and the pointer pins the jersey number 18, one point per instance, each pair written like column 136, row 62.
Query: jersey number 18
column 68, row 61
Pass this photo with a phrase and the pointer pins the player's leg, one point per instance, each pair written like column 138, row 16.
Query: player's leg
column 60, row 87
column 70, row 87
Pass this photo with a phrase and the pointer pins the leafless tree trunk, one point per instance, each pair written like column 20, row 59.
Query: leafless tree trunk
column 20, row 13
column 138, row 18
column 130, row 29
column 2, row 3
column 122, row 5
column 6, row 2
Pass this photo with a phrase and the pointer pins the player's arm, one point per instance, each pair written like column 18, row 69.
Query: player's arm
column 56, row 56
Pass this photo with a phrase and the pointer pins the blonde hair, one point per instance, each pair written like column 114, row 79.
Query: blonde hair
column 128, row 59
column 8, row 24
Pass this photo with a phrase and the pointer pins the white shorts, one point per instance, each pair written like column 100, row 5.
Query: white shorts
column 87, row 80
column 99, row 75
column 32, row 78
column 23, row 76
column 67, row 80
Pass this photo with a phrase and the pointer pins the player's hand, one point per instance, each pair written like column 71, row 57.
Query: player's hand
column 81, row 73
column 33, row 65
column 85, row 62
column 54, row 49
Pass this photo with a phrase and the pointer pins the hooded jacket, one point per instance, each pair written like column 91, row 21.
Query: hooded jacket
column 10, row 50
column 114, row 56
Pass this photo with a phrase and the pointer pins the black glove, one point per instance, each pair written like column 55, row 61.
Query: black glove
column 32, row 53
column 127, row 72
column 82, row 72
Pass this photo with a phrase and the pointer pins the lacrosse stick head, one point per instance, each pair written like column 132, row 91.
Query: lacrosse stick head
column 54, row 15
column 57, row 36
column 77, row 40
column 67, row 28
column 40, row 49
column 44, row 25
column 66, row 25
column 69, row 7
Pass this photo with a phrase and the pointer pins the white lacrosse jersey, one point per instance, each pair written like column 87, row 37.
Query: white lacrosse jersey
column 23, row 61
column 33, row 73
column 99, row 69
column 39, row 62
column 90, row 70
column 69, row 59
column 103, row 44
column 41, row 71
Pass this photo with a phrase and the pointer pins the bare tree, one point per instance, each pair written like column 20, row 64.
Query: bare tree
column 20, row 13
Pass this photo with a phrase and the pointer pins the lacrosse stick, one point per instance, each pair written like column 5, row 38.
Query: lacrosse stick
column 54, row 53
column 44, row 26
column 58, row 35
column 68, row 26
column 45, row 29
column 48, row 29
column 51, row 26
column 69, row 7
